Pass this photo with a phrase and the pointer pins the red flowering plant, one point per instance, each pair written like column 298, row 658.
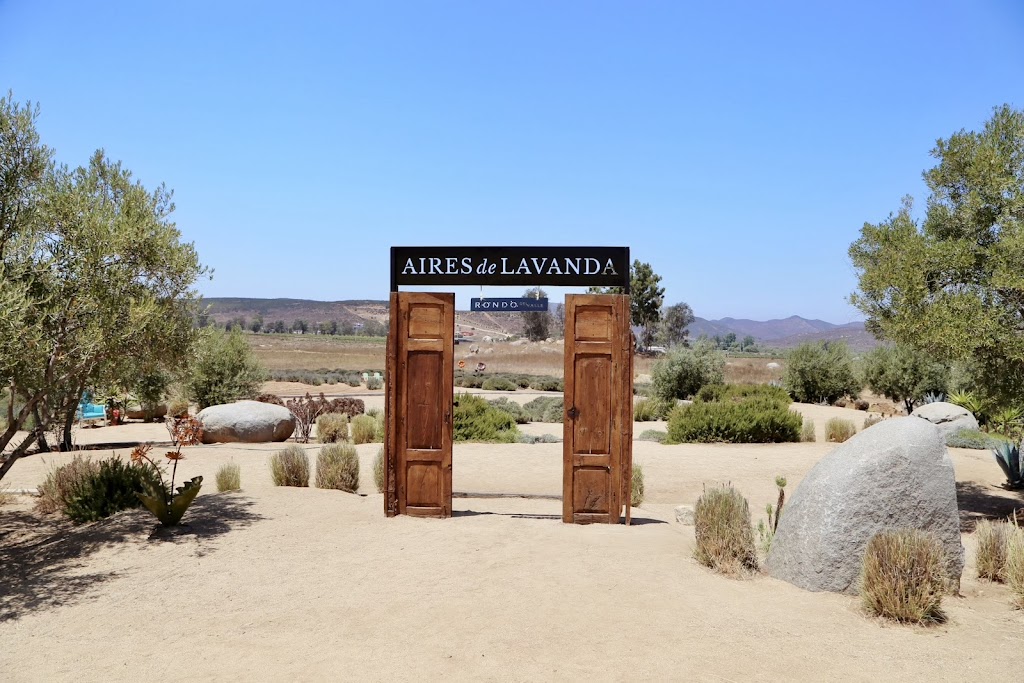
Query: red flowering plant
column 166, row 504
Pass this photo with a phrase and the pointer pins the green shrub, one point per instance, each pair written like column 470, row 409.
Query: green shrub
column 337, row 467
column 531, row 439
column 685, row 371
column 636, row 489
column 498, row 384
column 523, row 381
column 655, row 435
column 904, row 374
column 547, row 384
column 972, row 438
column 290, row 467
column 225, row 369
column 378, row 470
column 724, row 535
column 807, row 432
column 61, row 481
column 518, row 413
column 332, row 428
column 820, row 372
column 992, row 546
column 477, row 420
column 546, row 409
column 839, row 430
column 757, row 420
column 1014, row 569
column 652, row 409
column 904, row 576
column 229, row 477
column 380, row 427
column 112, row 488
column 373, row 383
column 365, row 429
column 742, row 392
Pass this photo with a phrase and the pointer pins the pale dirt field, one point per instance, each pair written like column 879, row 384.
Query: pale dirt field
column 305, row 584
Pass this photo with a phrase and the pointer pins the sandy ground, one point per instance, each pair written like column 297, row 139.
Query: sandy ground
column 304, row 584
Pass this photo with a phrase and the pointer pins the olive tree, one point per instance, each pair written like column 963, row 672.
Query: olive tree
column 902, row 373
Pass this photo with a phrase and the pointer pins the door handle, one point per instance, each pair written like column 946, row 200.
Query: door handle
column 572, row 413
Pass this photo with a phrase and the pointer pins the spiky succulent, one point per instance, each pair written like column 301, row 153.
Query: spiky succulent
column 1008, row 457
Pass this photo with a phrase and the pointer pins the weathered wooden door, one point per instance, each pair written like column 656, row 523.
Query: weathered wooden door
column 420, row 375
column 598, row 428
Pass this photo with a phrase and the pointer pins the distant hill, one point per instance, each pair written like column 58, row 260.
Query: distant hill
column 784, row 333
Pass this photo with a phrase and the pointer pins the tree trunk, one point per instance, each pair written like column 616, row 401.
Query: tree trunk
column 41, row 438
column 69, row 422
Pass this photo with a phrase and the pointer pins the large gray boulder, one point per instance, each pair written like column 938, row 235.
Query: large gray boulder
column 947, row 417
column 246, row 422
column 896, row 475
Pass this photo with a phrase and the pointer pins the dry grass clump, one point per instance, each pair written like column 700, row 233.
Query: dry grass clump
column 992, row 546
column 364, row 429
column 229, row 477
column 6, row 497
column 904, row 576
column 1014, row 568
column 725, row 537
column 337, row 467
column 62, row 481
column 636, row 490
column 290, row 467
column 839, row 430
column 807, row 433
column 378, row 470
column 871, row 420
column 332, row 428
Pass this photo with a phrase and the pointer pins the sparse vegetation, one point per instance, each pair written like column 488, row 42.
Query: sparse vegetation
column 972, row 438
column 766, row 529
column 807, row 432
column 61, row 481
column 229, row 477
column 1014, row 570
column 332, row 428
column 724, row 537
column 838, row 430
column 290, row 467
column 655, row 435
column 992, row 538
column 904, row 577
column 378, row 470
column 364, row 429
column 337, row 467
column 871, row 420
column 636, row 489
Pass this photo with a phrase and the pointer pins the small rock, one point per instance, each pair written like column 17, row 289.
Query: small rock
column 684, row 515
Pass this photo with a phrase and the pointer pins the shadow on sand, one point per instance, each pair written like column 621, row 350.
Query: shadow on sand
column 977, row 502
column 44, row 560
column 636, row 521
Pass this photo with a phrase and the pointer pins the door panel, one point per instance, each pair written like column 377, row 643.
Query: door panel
column 598, row 429
column 418, row 471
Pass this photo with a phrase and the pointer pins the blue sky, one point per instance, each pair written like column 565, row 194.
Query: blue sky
column 736, row 146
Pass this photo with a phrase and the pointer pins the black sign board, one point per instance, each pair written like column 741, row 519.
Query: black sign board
column 494, row 305
column 559, row 266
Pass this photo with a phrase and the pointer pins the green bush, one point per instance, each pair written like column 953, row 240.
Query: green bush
column 838, row 430
column 112, row 488
column 546, row 409
column 373, row 383
column 290, row 467
column 741, row 392
column 685, row 371
column 904, row 374
column 229, row 477
column 378, row 470
column 531, row 439
column 756, row 420
column 807, row 432
column 972, row 438
column 364, row 429
column 337, row 467
column 655, row 435
column 518, row 413
column 547, row 384
column 652, row 409
column 636, row 489
column 498, row 384
column 820, row 372
column 477, row 420
column 723, row 532
column 56, row 489
column 225, row 369
column 332, row 428
column 904, row 576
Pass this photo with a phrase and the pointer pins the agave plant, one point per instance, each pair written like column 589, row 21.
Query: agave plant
column 967, row 400
column 1008, row 457
column 934, row 397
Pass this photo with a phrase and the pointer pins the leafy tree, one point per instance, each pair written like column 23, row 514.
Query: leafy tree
column 748, row 343
column 536, row 324
column 95, row 283
column 280, row 327
column 674, row 322
column 300, row 326
column 820, row 372
column 225, row 370
column 645, row 300
column 256, row 324
column 728, row 341
column 684, row 371
column 902, row 373
column 952, row 285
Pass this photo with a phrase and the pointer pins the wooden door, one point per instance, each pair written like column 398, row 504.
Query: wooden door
column 420, row 375
column 598, row 428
